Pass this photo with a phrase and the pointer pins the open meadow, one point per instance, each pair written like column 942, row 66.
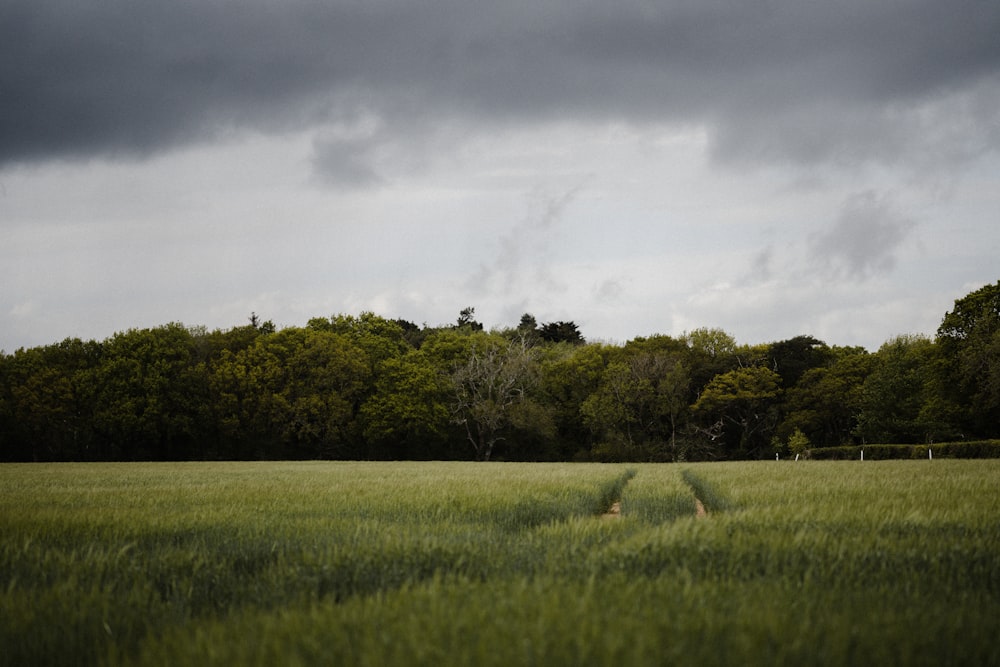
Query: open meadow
column 309, row 563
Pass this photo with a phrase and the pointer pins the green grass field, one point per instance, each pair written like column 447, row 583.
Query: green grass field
column 817, row 563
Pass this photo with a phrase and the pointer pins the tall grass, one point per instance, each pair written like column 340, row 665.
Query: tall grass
column 827, row 563
column 104, row 556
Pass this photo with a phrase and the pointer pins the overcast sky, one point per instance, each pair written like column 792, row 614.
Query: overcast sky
column 768, row 167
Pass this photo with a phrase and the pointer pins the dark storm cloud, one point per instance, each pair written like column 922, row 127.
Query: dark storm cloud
column 781, row 79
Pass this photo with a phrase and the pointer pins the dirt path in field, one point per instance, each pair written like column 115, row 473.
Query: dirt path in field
column 700, row 512
column 699, row 509
column 615, row 511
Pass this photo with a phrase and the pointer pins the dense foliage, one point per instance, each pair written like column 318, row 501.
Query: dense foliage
column 367, row 387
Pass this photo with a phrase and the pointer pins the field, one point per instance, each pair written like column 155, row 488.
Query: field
column 818, row 563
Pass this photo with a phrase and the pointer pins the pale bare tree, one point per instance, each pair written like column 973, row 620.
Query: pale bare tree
column 495, row 377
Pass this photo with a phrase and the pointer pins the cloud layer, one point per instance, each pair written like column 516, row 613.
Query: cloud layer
column 772, row 79
column 771, row 167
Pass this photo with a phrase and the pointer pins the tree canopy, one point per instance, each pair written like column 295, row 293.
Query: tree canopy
column 364, row 386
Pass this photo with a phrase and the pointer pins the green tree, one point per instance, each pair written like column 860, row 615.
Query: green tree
column 709, row 353
column 741, row 405
column 406, row 416
column 292, row 394
column 47, row 400
column 380, row 338
column 798, row 442
column 447, row 348
column 611, row 411
column 826, row 401
column 151, row 394
column 640, row 402
column 569, row 374
column 242, row 390
column 561, row 332
column 467, row 320
column 528, row 324
column 895, row 395
column 969, row 337
column 322, row 383
column 792, row 358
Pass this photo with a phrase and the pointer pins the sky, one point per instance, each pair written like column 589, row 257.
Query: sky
column 772, row 168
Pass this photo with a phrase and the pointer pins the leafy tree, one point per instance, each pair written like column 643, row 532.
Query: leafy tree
column 672, row 391
column 825, row 402
column 793, row 357
column 713, row 343
column 293, row 394
column 467, row 320
column 569, row 374
column 798, row 443
column 46, row 402
column 710, row 352
column 151, row 394
column 639, row 403
column 528, row 325
column 742, row 402
column 969, row 337
column 211, row 344
column 322, row 383
column 447, row 348
column 240, row 401
column 896, row 392
column 611, row 411
column 561, row 332
column 379, row 337
column 412, row 334
column 407, row 413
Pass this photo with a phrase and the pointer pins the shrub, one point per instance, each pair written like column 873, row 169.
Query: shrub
column 975, row 449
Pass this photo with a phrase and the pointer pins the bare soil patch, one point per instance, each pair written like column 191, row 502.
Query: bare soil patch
column 699, row 509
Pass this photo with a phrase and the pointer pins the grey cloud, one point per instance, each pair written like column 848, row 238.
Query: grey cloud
column 521, row 261
column 863, row 240
column 772, row 79
column 348, row 162
column 760, row 266
column 609, row 291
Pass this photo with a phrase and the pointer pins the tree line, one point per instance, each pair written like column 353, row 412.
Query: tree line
column 368, row 387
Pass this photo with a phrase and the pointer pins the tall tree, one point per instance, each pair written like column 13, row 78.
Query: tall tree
column 743, row 402
column 710, row 352
column 561, row 332
column 895, row 396
column 569, row 375
column 467, row 320
column 151, row 394
column 494, row 378
column 969, row 337
column 793, row 357
column 47, row 400
column 825, row 402
column 406, row 416
column 640, row 402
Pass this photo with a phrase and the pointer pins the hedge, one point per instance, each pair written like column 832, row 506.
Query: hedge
column 973, row 449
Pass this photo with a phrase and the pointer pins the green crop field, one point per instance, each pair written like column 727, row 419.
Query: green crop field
column 795, row 563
